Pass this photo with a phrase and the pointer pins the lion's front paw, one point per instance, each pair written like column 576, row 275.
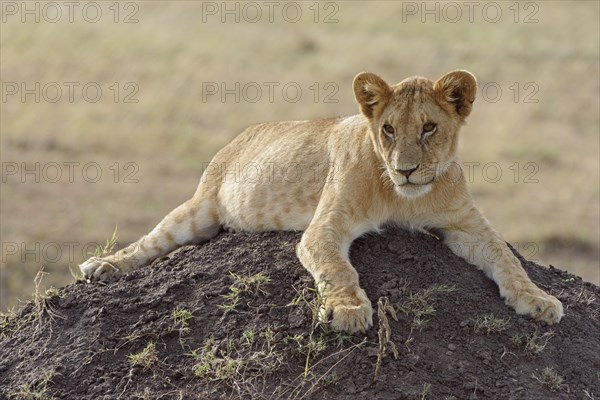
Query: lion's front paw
column 347, row 309
column 538, row 304
column 97, row 269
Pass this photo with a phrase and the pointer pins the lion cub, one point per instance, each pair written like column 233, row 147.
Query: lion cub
column 339, row 178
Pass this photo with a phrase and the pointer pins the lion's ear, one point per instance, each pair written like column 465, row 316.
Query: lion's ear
column 371, row 92
column 459, row 89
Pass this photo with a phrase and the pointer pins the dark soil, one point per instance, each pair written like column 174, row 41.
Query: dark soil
column 269, row 346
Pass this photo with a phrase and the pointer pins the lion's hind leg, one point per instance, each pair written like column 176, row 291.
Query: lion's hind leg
column 193, row 222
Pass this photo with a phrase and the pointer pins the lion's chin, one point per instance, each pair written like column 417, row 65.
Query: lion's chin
column 412, row 191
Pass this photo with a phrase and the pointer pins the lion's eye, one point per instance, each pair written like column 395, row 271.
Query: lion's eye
column 388, row 130
column 428, row 129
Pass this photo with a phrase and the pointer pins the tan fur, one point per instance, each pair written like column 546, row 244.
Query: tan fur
column 338, row 178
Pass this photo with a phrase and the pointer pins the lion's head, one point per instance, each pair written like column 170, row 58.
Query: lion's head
column 415, row 124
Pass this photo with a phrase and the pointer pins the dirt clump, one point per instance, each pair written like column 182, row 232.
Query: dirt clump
column 235, row 318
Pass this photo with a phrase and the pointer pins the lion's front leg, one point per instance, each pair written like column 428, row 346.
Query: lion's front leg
column 323, row 251
column 472, row 238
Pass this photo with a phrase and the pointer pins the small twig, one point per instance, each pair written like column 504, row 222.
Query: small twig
column 385, row 332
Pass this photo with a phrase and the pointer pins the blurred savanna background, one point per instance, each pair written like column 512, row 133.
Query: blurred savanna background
column 110, row 109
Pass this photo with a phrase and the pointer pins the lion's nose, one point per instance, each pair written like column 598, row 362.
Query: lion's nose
column 407, row 172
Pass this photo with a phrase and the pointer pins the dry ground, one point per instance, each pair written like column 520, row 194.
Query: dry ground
column 541, row 132
column 234, row 319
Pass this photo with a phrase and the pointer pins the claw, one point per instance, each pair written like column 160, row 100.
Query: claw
column 97, row 269
column 347, row 309
column 539, row 305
